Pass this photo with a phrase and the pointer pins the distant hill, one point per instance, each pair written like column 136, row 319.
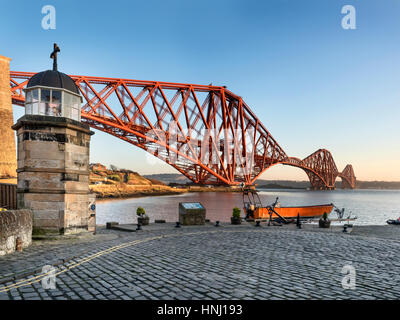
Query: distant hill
column 279, row 184
column 168, row 178
column 99, row 174
column 392, row 185
column 282, row 184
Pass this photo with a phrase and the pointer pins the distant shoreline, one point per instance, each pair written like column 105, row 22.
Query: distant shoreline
column 124, row 191
column 177, row 178
column 114, row 192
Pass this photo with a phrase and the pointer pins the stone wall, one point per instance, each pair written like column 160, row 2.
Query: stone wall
column 8, row 158
column 14, row 224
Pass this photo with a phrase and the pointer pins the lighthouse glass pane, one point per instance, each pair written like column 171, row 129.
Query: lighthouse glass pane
column 66, row 110
column 54, row 108
column 55, row 96
column 45, row 95
column 35, row 107
column 74, row 114
column 28, row 97
column 67, row 99
column 76, row 108
column 77, row 102
column 35, row 95
column 42, row 108
column 28, row 108
column 44, row 104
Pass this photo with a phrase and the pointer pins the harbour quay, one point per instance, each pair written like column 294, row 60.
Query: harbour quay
column 205, row 262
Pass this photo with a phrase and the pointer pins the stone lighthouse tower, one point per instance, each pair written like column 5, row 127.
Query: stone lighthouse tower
column 53, row 155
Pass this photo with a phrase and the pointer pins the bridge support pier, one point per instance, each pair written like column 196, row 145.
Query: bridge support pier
column 8, row 158
column 323, row 188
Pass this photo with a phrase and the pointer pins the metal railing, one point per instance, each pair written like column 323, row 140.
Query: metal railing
column 8, row 196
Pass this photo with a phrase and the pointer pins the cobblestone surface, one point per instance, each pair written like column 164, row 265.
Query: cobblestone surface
column 205, row 262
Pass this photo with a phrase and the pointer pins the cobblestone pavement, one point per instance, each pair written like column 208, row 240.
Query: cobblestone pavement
column 205, row 262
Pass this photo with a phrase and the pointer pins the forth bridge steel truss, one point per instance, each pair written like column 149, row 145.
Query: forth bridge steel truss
column 206, row 132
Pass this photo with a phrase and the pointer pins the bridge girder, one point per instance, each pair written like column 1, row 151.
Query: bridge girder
column 168, row 120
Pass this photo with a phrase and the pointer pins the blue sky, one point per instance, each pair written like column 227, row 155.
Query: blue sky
column 312, row 83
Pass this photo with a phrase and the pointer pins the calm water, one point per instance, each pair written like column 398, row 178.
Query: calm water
column 373, row 207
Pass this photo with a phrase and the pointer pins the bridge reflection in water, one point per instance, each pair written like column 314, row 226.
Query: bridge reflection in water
column 236, row 148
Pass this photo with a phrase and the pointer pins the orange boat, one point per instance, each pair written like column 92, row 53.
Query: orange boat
column 292, row 212
column 253, row 209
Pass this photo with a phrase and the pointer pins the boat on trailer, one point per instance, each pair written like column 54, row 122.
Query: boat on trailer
column 309, row 212
column 254, row 210
column 395, row 222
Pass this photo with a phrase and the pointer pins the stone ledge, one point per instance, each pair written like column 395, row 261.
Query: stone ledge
column 46, row 191
column 44, row 121
column 53, row 170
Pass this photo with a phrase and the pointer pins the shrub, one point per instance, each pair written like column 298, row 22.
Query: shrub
column 140, row 211
column 236, row 212
column 115, row 177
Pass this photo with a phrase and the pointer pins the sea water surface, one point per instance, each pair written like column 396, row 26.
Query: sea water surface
column 372, row 207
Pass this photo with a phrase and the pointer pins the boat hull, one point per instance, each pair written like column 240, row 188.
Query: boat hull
column 310, row 212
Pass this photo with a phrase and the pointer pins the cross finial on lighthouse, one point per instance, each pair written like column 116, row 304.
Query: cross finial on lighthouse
column 53, row 56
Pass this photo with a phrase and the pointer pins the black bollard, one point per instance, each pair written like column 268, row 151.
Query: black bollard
column 139, row 226
column 345, row 228
column 298, row 222
column 178, row 224
column 217, row 223
column 257, row 223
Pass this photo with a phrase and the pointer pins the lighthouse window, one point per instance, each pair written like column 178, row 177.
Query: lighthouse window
column 28, row 108
column 55, row 104
column 74, row 113
column 55, row 96
column 35, row 108
column 35, row 95
column 32, row 98
column 75, row 108
column 67, row 99
column 28, row 97
column 44, row 105
column 44, row 95
column 52, row 102
column 71, row 107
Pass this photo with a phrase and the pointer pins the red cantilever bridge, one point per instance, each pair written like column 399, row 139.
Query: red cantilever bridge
column 143, row 113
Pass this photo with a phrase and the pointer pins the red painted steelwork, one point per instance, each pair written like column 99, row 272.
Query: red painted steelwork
column 142, row 113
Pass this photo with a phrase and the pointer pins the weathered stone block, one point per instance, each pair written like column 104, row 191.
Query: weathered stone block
column 191, row 213
column 111, row 224
column 15, row 224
